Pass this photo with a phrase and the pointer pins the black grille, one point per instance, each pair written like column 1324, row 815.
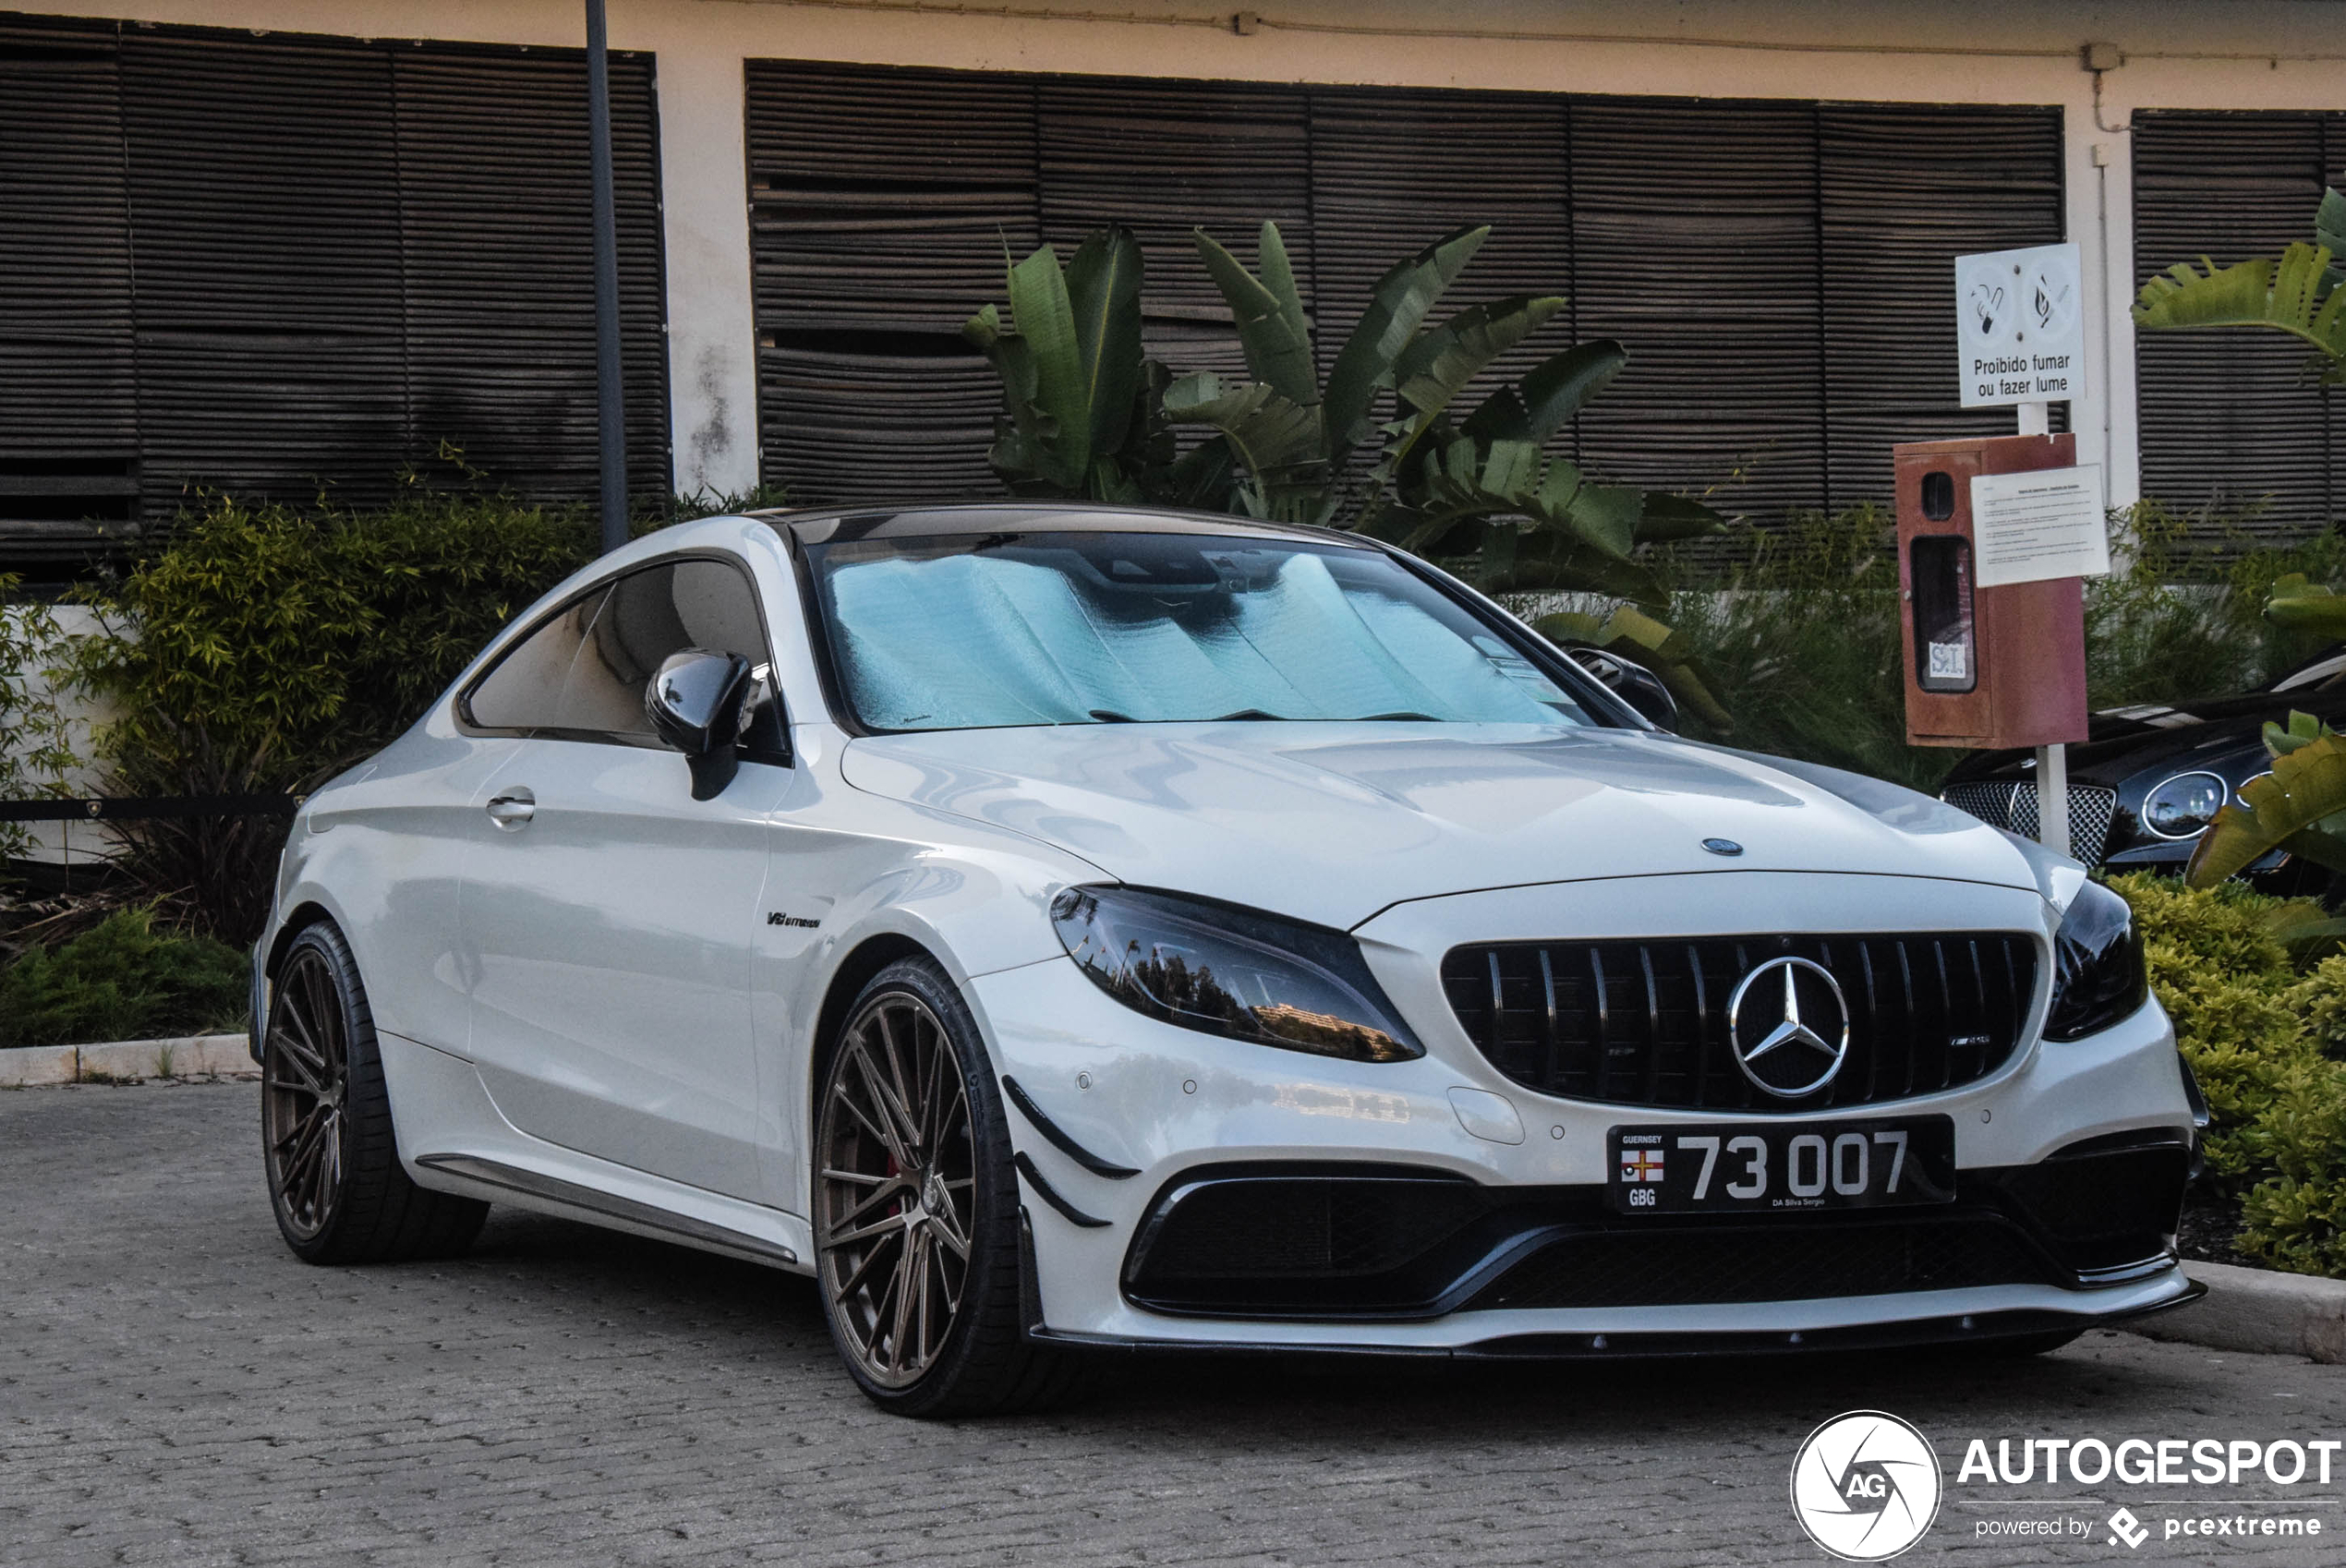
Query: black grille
column 1771, row 1263
column 1645, row 1023
column 2001, row 803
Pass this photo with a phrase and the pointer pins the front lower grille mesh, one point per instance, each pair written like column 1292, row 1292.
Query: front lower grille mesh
column 1756, row 1263
column 2011, row 806
column 1645, row 1023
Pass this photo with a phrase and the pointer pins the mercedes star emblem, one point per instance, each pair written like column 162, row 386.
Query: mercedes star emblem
column 1788, row 1026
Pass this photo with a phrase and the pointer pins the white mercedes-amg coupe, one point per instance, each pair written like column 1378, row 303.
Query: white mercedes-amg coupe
column 1056, row 927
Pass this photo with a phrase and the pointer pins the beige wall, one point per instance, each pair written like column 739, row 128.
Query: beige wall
column 2179, row 53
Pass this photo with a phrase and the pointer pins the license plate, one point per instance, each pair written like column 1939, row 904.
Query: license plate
column 1739, row 1167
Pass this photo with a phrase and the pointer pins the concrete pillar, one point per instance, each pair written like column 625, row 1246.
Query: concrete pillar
column 712, row 333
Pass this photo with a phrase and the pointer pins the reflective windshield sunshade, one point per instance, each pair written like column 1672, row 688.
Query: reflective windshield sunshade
column 1067, row 627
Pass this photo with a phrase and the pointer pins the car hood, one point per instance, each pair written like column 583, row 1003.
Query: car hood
column 1331, row 823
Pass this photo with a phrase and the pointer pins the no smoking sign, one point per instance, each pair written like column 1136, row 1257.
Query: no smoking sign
column 2020, row 326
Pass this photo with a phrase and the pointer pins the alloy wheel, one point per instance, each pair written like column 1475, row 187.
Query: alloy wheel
column 895, row 1201
column 304, row 1081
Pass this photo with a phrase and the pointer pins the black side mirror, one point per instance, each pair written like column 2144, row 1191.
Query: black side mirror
column 1632, row 682
column 695, row 704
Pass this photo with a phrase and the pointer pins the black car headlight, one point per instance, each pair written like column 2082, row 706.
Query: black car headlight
column 2097, row 965
column 1232, row 971
column 2183, row 806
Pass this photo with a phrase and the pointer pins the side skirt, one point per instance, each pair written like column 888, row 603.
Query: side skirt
column 533, row 1189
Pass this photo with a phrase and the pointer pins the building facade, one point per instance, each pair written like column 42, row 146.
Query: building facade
column 278, row 247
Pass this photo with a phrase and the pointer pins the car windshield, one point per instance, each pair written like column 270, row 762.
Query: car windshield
column 986, row 631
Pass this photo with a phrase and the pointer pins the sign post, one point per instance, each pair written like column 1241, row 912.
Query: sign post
column 2020, row 323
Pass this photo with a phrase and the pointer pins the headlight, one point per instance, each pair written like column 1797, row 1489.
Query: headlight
column 1231, row 971
column 2098, row 966
column 2179, row 807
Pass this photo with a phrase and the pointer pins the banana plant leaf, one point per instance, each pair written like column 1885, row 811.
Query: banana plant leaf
column 1633, row 635
column 2297, row 605
column 1104, row 291
column 2329, row 231
column 1668, row 517
column 1275, row 441
column 1435, row 368
column 1397, row 307
column 1273, row 331
column 1548, row 394
column 2302, row 729
column 2293, row 296
column 1044, row 316
column 2295, row 807
column 2310, row 932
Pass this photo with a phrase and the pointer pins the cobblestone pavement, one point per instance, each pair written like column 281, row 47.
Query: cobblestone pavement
column 175, row 1388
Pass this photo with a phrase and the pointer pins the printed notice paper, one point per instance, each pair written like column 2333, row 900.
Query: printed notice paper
column 2031, row 526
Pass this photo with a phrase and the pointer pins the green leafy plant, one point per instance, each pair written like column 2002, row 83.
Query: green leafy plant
column 1086, row 414
column 125, row 979
column 266, row 648
column 33, row 751
column 1480, row 493
column 2264, row 1042
column 2297, row 292
column 1796, row 632
column 2299, row 806
column 1082, row 406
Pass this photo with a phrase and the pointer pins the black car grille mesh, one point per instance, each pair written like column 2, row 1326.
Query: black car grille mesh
column 2013, row 806
column 1645, row 1023
column 1755, row 1263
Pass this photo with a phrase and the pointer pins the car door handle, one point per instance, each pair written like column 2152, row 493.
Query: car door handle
column 512, row 809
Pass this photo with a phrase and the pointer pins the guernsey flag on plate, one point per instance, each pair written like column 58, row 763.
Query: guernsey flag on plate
column 1640, row 1165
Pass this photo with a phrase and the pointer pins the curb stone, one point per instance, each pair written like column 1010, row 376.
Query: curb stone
column 2259, row 1310
column 192, row 1055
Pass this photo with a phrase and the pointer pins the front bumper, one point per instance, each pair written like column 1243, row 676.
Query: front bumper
column 1126, row 1111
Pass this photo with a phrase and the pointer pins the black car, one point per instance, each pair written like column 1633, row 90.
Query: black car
column 2150, row 778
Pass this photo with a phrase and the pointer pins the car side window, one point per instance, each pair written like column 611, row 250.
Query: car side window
column 647, row 616
column 522, row 690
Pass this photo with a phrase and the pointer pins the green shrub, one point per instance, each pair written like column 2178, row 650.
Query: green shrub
column 122, row 980
column 1801, row 640
column 2319, row 1002
column 2185, row 614
column 33, row 756
column 1797, row 627
column 274, row 645
column 2253, row 1032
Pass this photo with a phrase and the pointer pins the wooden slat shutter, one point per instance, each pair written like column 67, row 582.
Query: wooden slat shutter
column 882, row 203
column 1906, row 188
column 497, row 248
column 2229, row 418
column 1695, row 242
column 284, row 265
column 69, row 400
column 1166, row 158
column 1779, row 271
column 1392, row 172
column 264, row 196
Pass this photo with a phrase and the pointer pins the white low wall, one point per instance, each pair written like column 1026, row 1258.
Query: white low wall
column 194, row 1055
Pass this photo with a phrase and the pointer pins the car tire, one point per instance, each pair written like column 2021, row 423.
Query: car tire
column 897, row 1196
column 328, row 1146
